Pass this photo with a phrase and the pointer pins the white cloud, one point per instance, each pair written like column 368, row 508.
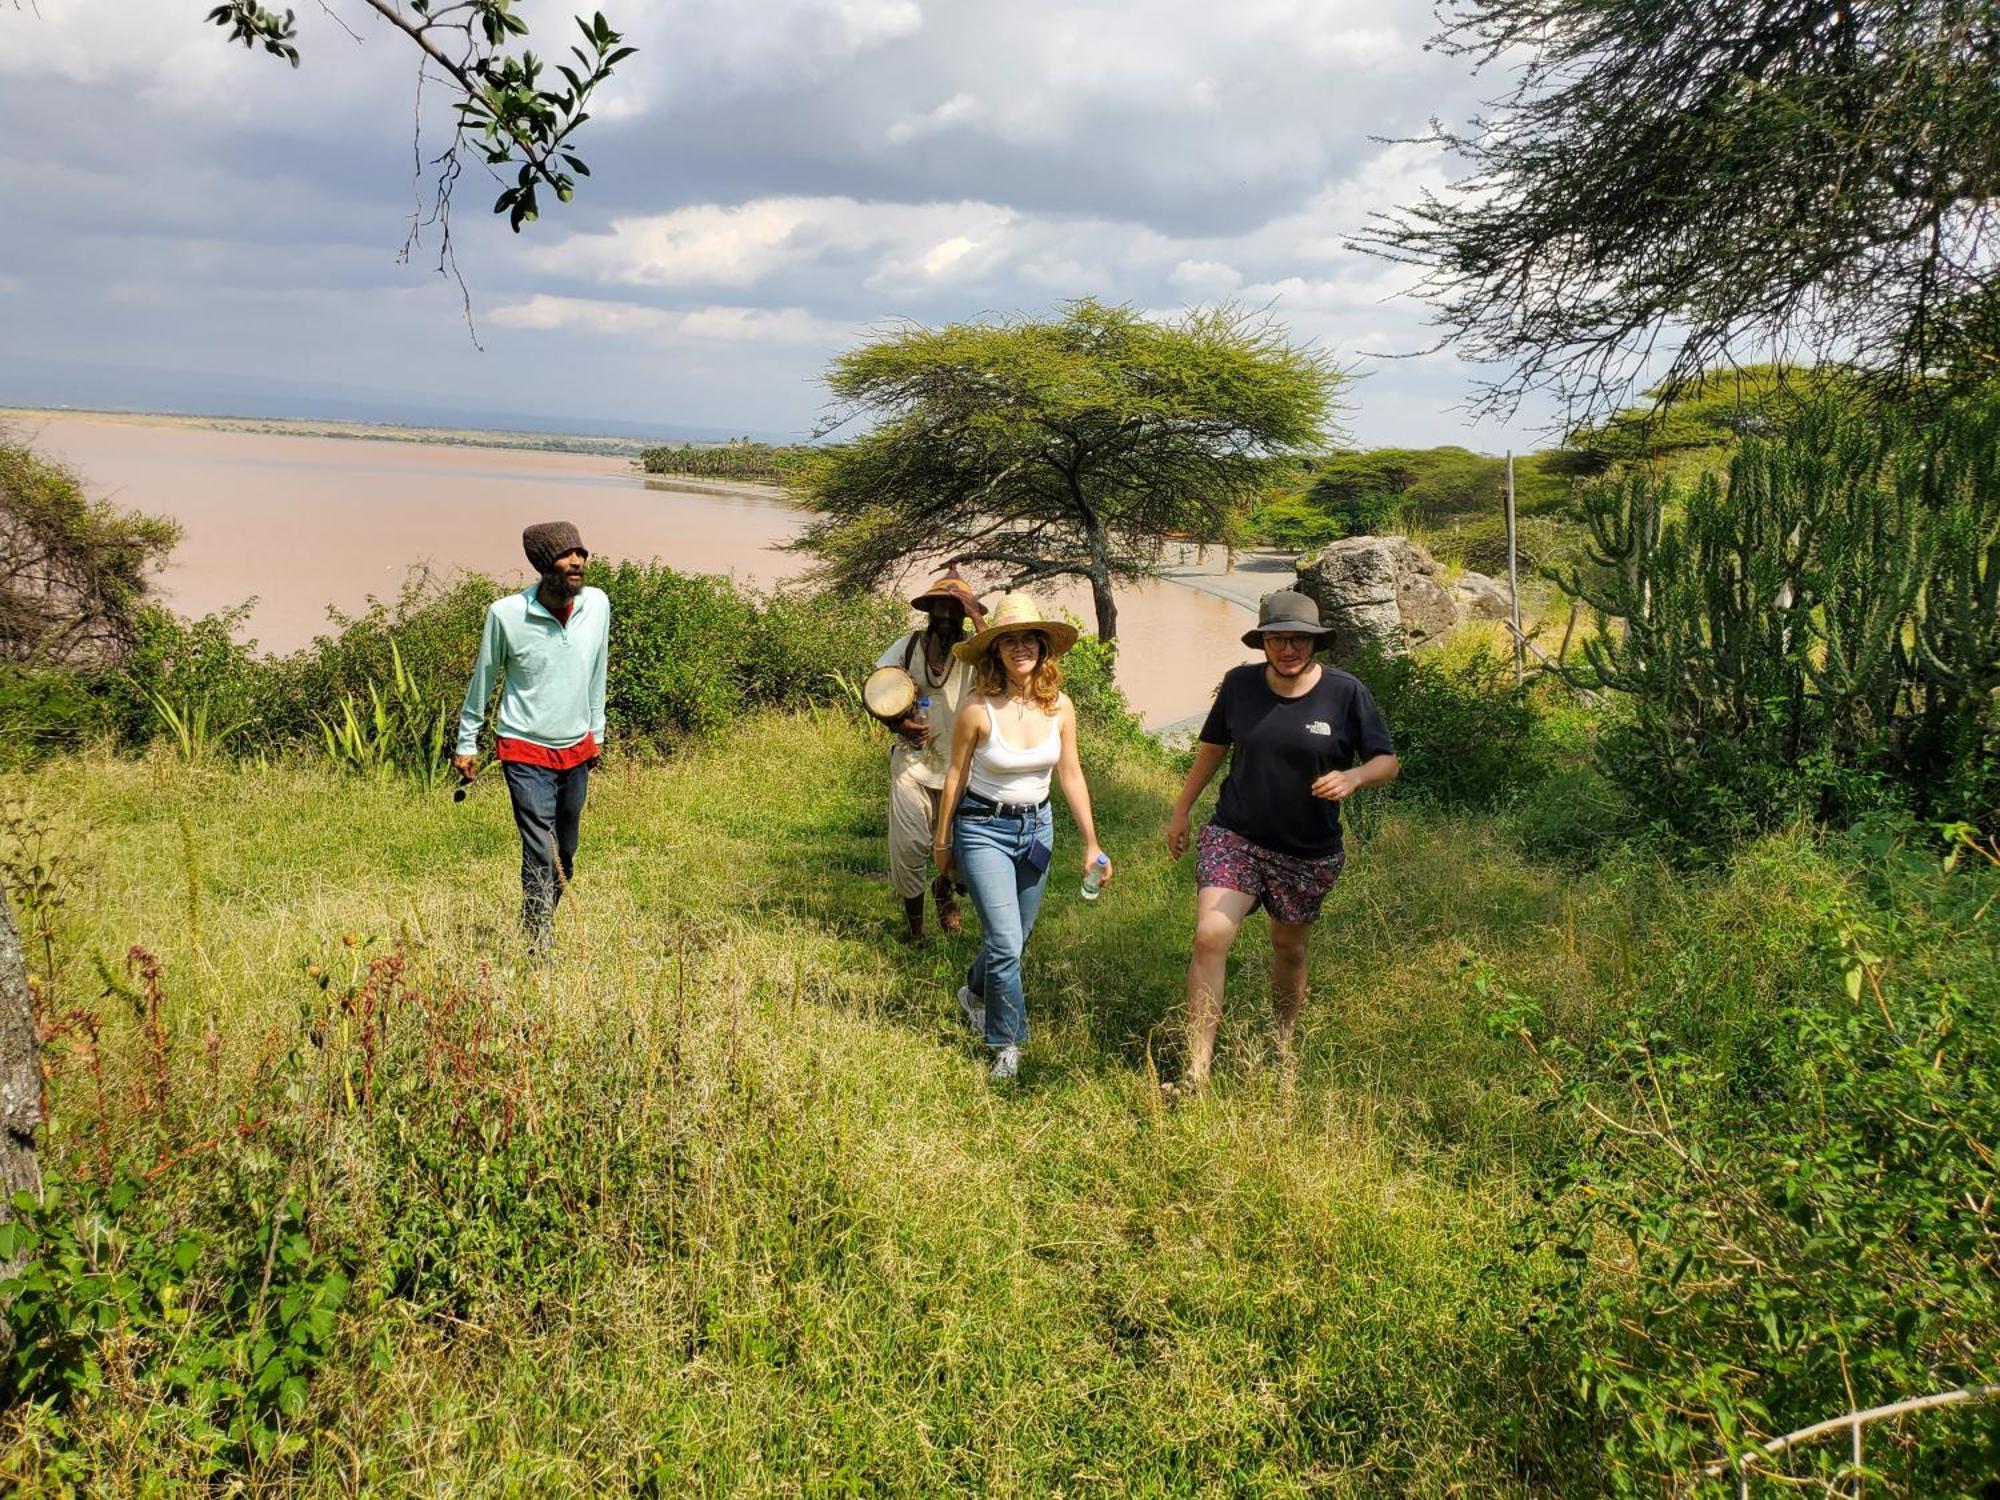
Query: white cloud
column 961, row 108
column 866, row 24
column 743, row 245
column 1206, row 278
column 545, row 313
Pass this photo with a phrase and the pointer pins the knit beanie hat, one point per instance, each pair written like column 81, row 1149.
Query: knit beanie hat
column 549, row 540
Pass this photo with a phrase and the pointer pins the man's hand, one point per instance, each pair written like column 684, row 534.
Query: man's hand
column 1177, row 833
column 913, row 730
column 1336, row 786
column 467, row 766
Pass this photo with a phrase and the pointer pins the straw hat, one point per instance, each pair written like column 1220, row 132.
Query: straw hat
column 955, row 589
column 1017, row 612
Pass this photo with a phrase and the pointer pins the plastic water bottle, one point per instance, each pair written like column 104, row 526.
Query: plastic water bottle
column 924, row 711
column 1093, row 880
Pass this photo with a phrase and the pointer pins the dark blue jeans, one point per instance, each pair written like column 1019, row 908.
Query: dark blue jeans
column 548, row 809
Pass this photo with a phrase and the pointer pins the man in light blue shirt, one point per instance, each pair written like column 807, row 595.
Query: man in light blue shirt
column 546, row 645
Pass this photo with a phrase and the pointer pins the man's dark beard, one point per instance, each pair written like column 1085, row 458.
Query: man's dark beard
column 557, row 585
column 1298, row 671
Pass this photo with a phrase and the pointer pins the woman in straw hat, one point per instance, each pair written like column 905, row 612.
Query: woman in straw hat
column 922, row 747
column 995, row 828
column 1300, row 739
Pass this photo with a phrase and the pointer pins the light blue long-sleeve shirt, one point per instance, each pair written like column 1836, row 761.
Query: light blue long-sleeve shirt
column 554, row 673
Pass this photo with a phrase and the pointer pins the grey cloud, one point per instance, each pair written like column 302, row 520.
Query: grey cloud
column 1159, row 154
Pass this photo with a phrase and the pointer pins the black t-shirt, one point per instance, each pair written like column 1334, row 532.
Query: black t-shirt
column 1280, row 746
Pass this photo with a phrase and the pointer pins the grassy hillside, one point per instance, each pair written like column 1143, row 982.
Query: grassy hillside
column 721, row 1203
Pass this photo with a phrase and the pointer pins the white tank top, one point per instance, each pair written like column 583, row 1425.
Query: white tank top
column 1003, row 773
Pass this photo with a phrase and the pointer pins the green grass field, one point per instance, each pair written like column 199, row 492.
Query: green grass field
column 721, row 1203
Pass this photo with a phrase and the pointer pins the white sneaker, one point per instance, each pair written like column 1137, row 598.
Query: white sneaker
column 973, row 1009
column 1006, row 1063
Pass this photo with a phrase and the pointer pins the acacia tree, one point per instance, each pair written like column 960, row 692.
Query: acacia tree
column 1709, row 179
column 1063, row 448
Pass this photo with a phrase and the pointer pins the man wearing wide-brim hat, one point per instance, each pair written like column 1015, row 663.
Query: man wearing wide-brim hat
column 1300, row 737
column 923, row 742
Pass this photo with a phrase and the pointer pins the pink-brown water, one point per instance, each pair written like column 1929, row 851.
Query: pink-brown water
column 303, row 523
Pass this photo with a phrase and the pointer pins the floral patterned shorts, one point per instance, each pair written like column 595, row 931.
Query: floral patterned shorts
column 1289, row 887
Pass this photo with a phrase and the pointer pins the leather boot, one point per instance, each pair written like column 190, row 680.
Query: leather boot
column 947, row 905
column 913, row 914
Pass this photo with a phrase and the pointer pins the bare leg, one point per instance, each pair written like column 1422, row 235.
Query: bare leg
column 1288, row 978
column 1218, row 913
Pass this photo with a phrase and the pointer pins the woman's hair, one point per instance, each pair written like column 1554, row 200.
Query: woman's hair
column 1044, row 683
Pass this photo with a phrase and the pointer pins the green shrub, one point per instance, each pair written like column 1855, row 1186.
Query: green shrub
column 46, row 712
column 431, row 628
column 1294, row 523
column 402, row 733
column 226, row 1320
column 678, row 643
column 185, row 1256
column 798, row 641
column 1464, row 732
column 1779, row 1206
column 186, row 663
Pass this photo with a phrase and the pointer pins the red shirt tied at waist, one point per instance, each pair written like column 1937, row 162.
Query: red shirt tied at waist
column 528, row 753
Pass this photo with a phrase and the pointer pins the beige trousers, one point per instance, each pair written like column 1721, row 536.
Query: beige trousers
column 912, row 817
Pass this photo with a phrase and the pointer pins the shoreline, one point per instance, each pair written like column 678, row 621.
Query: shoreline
column 689, row 484
column 588, row 445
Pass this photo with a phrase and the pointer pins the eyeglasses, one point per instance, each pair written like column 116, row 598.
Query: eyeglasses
column 1287, row 642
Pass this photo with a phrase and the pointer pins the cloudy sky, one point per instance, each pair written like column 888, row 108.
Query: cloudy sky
column 190, row 225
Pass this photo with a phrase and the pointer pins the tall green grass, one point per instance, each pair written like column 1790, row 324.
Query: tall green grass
column 721, row 1203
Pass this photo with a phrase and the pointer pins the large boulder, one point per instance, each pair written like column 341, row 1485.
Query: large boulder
column 1379, row 590
column 1480, row 598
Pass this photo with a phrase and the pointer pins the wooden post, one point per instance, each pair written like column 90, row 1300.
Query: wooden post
column 20, row 1085
column 1514, row 580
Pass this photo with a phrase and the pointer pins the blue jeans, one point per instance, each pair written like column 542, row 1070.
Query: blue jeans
column 548, row 809
column 993, row 853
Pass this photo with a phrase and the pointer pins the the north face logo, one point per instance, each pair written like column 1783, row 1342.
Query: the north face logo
column 1320, row 726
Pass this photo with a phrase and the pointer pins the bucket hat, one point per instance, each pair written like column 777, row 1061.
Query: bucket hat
column 1287, row 612
column 952, row 587
column 1018, row 612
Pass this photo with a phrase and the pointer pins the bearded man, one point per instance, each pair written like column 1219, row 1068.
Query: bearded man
column 922, row 749
column 547, row 644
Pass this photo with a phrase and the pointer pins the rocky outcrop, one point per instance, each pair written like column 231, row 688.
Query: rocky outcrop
column 1377, row 589
column 1479, row 597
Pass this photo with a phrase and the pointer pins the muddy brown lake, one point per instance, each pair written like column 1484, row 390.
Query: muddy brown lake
column 304, row 524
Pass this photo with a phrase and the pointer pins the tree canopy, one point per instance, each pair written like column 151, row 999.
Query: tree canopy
column 1698, row 180
column 1698, row 423
column 1068, row 447
column 509, row 117
column 73, row 571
